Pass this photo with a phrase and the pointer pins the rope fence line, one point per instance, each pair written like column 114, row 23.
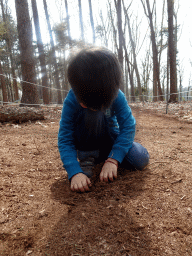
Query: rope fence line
column 52, row 104
column 62, row 90
column 151, row 96
column 35, row 84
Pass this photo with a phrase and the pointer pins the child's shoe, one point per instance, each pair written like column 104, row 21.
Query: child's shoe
column 87, row 161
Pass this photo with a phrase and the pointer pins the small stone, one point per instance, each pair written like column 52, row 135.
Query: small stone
column 28, row 252
column 43, row 213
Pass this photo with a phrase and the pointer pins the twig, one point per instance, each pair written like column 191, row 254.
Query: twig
column 177, row 181
column 144, row 207
column 36, row 146
column 159, row 163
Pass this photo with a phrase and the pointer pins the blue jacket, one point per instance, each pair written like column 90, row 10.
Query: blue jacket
column 120, row 121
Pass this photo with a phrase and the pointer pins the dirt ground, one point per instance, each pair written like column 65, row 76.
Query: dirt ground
column 140, row 213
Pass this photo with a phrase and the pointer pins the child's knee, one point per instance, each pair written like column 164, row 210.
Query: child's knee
column 138, row 156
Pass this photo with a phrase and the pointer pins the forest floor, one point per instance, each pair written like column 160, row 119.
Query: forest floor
column 141, row 213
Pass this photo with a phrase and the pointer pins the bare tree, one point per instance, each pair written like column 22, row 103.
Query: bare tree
column 56, row 74
column 68, row 23
column 161, row 33
column 30, row 93
column 91, row 20
column 147, row 66
column 181, row 71
column 104, row 30
column 8, row 42
column 156, row 78
column 133, row 52
column 130, row 73
column 120, row 31
column 172, row 52
column 113, row 26
column 41, row 53
column 81, row 21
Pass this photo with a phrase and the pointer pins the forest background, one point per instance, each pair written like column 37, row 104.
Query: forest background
column 152, row 40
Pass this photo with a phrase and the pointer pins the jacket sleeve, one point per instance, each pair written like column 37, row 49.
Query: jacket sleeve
column 127, row 125
column 66, row 143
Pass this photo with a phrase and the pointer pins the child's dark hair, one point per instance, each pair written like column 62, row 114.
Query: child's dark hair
column 95, row 76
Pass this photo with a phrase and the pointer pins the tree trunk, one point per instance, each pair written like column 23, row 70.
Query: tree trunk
column 172, row 53
column 18, row 115
column 168, row 73
column 91, row 20
column 41, row 53
column 180, row 88
column 59, row 98
column 68, row 23
column 3, row 86
column 81, row 21
column 146, row 73
column 129, row 72
column 113, row 25
column 120, row 31
column 30, row 95
column 16, row 95
column 161, row 32
column 156, row 79
column 115, row 39
column 175, row 40
column 134, row 54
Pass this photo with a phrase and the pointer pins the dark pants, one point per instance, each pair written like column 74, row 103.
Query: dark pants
column 92, row 136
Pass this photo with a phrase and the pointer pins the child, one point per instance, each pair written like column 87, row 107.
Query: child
column 96, row 123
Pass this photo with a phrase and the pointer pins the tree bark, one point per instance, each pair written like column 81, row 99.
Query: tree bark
column 41, row 53
column 59, row 98
column 19, row 115
column 30, row 95
column 3, row 86
column 172, row 53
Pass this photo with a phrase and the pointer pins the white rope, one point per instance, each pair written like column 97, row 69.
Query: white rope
column 36, row 84
column 143, row 95
column 151, row 96
column 51, row 105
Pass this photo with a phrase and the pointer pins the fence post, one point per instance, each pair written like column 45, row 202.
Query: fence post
column 167, row 103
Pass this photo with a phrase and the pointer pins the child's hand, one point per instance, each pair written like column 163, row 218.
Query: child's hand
column 109, row 171
column 80, row 183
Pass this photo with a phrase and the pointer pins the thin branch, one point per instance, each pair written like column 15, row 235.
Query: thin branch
column 129, row 4
column 143, row 41
column 153, row 6
column 162, row 32
column 144, row 8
